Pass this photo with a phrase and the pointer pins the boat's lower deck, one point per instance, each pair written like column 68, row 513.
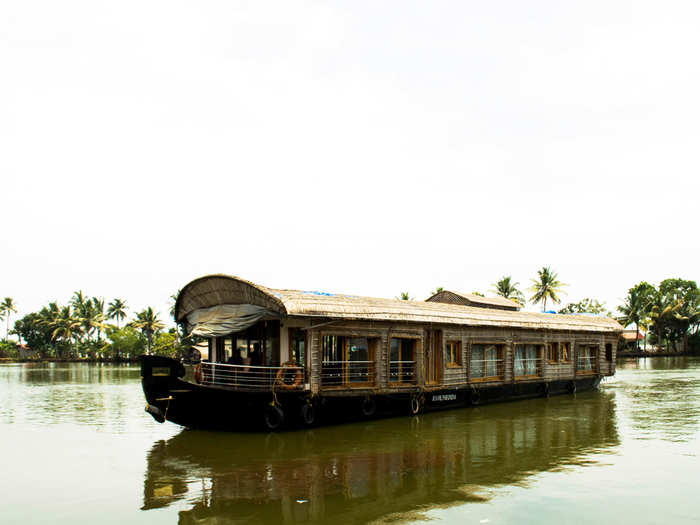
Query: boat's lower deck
column 198, row 406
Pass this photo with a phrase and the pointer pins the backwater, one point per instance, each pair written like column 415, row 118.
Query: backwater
column 76, row 447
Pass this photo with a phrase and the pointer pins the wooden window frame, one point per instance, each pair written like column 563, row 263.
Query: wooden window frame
column 540, row 356
column 415, row 339
column 501, row 367
column 595, row 349
column 609, row 355
column 373, row 341
column 550, row 346
column 453, row 349
column 562, row 345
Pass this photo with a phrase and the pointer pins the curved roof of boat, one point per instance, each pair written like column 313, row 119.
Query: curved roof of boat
column 217, row 289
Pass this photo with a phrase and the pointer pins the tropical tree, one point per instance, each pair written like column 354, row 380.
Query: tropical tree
column 147, row 321
column 437, row 290
column 662, row 311
column 405, row 297
column 98, row 317
column 586, row 306
column 508, row 289
column 117, row 310
column 546, row 286
column 66, row 326
column 6, row 308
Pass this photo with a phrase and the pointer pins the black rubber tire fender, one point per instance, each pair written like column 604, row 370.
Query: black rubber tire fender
column 273, row 417
column 475, row 397
column 368, row 407
column 308, row 414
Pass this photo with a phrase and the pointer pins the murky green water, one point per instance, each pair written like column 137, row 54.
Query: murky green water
column 76, row 447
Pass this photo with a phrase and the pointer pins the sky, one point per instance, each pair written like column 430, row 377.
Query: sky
column 360, row 147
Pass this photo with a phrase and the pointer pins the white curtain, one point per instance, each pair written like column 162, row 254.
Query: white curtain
column 225, row 319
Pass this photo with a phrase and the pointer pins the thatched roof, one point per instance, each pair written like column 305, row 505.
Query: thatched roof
column 470, row 299
column 213, row 290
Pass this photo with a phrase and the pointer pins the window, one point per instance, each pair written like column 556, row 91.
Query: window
column 486, row 362
column 565, row 349
column 608, row 351
column 586, row 358
column 553, row 352
column 347, row 360
column 454, row 353
column 528, row 360
column 402, row 364
column 297, row 346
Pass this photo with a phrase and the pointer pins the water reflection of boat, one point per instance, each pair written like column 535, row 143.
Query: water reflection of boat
column 378, row 470
column 288, row 357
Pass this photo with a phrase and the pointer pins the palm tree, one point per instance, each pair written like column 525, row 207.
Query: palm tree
column 6, row 309
column 547, row 286
column 635, row 310
column 405, row 297
column 117, row 310
column 662, row 310
column 147, row 321
column 98, row 316
column 65, row 326
column 508, row 289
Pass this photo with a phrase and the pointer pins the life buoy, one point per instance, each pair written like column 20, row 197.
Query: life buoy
column 198, row 373
column 281, row 376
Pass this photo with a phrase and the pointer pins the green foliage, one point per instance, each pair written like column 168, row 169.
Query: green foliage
column 586, row 306
column 7, row 307
column 478, row 294
column 35, row 333
column 546, row 286
column 508, row 289
column 8, row 349
column 437, row 290
column 117, row 310
column 405, row 297
column 166, row 344
column 147, row 321
column 125, row 342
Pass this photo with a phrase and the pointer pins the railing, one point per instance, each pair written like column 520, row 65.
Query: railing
column 247, row 377
column 347, row 373
column 531, row 367
column 402, row 372
column 486, row 370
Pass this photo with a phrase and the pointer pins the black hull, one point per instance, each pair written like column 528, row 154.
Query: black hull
column 170, row 398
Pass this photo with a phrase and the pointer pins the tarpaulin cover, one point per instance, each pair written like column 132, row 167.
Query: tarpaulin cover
column 225, row 319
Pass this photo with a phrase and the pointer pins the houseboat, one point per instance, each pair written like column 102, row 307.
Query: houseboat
column 288, row 358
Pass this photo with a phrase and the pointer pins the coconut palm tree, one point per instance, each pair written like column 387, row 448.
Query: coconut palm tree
column 117, row 310
column 662, row 310
column 147, row 321
column 508, row 289
column 98, row 317
column 6, row 308
column 66, row 326
column 635, row 310
column 546, row 286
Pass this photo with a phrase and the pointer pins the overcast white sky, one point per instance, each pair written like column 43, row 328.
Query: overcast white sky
column 359, row 147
